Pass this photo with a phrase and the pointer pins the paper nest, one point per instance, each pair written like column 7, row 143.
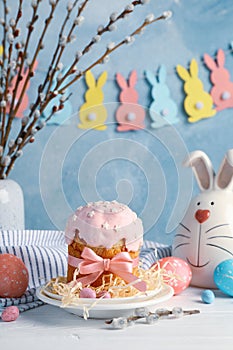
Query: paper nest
column 117, row 287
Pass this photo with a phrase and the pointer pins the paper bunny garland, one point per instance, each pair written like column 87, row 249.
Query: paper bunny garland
column 198, row 103
column 92, row 113
column 222, row 90
column 204, row 238
column 130, row 115
column 163, row 110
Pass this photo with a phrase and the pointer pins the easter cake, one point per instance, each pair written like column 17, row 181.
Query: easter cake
column 104, row 240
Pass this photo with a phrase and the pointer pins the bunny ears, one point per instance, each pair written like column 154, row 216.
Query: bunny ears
column 123, row 83
column 204, row 172
column 184, row 73
column 161, row 78
column 92, row 83
column 220, row 60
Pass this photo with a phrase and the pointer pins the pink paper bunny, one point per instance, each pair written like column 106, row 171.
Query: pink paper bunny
column 129, row 115
column 222, row 90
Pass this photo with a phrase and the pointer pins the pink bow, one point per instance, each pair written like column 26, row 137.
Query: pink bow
column 93, row 265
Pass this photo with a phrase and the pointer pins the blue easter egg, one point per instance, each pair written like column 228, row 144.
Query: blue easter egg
column 223, row 276
column 207, row 296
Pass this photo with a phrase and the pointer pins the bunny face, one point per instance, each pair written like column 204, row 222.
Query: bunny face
column 204, row 238
column 205, row 235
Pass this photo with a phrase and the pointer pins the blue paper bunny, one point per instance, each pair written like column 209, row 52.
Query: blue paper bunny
column 163, row 110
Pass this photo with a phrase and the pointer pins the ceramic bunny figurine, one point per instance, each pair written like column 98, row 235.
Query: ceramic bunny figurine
column 198, row 104
column 130, row 115
column 92, row 113
column 163, row 110
column 204, row 238
column 222, row 91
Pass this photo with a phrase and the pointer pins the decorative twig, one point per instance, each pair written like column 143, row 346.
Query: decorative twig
column 149, row 317
column 111, row 25
column 14, row 63
column 3, row 71
column 60, row 45
column 22, row 56
column 110, row 49
column 10, row 65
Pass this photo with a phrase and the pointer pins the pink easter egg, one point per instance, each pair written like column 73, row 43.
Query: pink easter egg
column 11, row 313
column 176, row 273
column 13, row 276
column 104, row 295
column 87, row 293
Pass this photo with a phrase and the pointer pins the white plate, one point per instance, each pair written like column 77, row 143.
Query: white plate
column 140, row 297
column 107, row 310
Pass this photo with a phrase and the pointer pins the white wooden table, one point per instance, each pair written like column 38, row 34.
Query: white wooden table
column 49, row 327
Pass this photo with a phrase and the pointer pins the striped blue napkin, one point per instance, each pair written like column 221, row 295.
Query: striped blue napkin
column 153, row 251
column 44, row 253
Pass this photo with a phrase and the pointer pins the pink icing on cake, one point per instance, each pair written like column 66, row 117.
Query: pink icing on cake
column 103, row 224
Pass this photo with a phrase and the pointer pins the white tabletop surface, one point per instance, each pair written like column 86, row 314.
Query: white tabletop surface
column 50, row 327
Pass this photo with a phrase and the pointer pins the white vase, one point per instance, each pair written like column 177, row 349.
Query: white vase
column 11, row 206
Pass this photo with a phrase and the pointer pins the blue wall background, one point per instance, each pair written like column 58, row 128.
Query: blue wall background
column 66, row 167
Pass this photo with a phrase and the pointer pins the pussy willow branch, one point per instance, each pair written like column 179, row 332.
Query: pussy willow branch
column 2, row 107
column 160, row 314
column 30, row 69
column 48, row 76
column 4, row 37
column 99, row 61
column 38, row 48
column 30, row 125
column 87, row 48
column 122, row 15
column 109, row 51
column 15, row 106
column 105, row 29
column 23, row 57
column 91, row 43
column 51, row 73
column 15, row 33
